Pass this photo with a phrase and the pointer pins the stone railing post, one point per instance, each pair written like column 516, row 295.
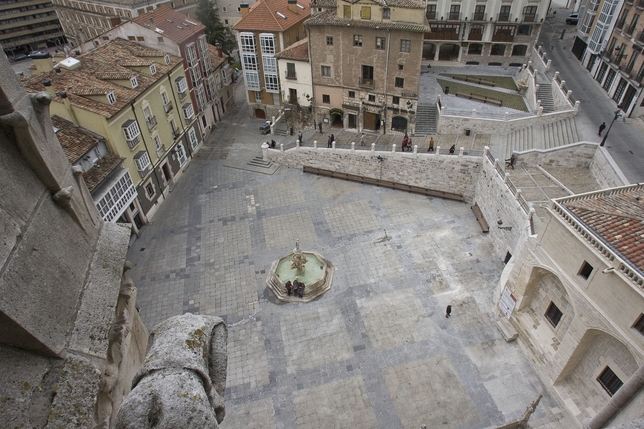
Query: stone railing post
column 297, row 143
column 536, row 87
column 563, row 82
column 438, row 151
column 393, row 148
column 569, row 93
column 538, row 103
column 353, row 146
column 505, row 117
column 460, row 152
column 281, row 147
column 548, row 64
column 265, row 151
column 373, row 148
column 556, row 76
column 333, row 145
column 315, row 144
column 473, row 113
column 577, row 105
column 540, row 111
column 273, row 126
column 415, row 149
column 442, row 110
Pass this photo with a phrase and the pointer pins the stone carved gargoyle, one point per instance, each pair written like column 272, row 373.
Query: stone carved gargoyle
column 181, row 383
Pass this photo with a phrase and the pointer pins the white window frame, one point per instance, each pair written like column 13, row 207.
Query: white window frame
column 114, row 202
column 270, row 64
column 272, row 82
column 267, row 42
column 132, row 131
column 192, row 136
column 153, row 69
column 188, row 111
column 134, row 82
column 247, row 42
column 181, row 154
column 111, row 97
column 157, row 143
column 249, row 62
column 166, row 59
column 143, row 162
column 191, row 54
column 323, row 68
column 252, row 80
column 182, row 84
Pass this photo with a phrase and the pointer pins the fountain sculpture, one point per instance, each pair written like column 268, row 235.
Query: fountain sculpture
column 309, row 268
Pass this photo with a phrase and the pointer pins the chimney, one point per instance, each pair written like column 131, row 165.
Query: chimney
column 244, row 9
column 151, row 25
column 50, row 89
column 292, row 6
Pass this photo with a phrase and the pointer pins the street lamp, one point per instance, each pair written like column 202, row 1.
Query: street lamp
column 617, row 112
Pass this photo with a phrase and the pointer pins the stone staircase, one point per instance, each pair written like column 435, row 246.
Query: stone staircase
column 544, row 93
column 280, row 129
column 426, row 119
column 548, row 136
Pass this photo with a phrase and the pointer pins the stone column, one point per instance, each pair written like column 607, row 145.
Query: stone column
column 265, row 151
column 282, row 147
column 617, row 402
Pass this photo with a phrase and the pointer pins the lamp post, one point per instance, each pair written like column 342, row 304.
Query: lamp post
column 617, row 112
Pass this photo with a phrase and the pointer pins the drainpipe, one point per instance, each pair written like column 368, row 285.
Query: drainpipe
column 384, row 110
column 618, row 401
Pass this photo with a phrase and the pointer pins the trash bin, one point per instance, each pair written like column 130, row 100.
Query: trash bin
column 447, row 90
column 467, row 131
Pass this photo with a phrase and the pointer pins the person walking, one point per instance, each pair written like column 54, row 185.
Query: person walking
column 362, row 140
column 299, row 137
column 289, row 288
column 448, row 311
column 452, row 149
column 431, row 145
column 301, row 291
column 320, row 127
column 329, row 142
column 602, row 127
column 405, row 141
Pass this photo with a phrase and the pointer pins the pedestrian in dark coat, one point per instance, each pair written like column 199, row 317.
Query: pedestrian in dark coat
column 320, row 127
column 329, row 142
column 452, row 149
column 602, row 127
column 431, row 145
column 301, row 291
column 448, row 311
column 299, row 136
column 289, row 288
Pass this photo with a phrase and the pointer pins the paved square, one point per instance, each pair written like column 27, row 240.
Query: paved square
column 375, row 351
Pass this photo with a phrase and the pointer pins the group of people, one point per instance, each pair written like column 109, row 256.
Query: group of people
column 406, row 143
column 296, row 288
column 330, row 141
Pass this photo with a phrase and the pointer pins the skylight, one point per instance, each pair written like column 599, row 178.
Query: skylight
column 300, row 6
column 281, row 15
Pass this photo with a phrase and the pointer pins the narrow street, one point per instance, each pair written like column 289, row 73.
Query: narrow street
column 626, row 139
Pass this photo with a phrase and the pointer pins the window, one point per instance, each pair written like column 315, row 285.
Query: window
column 182, row 85
column 140, row 39
column 258, row 96
column 609, row 381
column 400, row 82
column 430, row 12
column 149, row 190
column 357, row 40
column 455, row 12
column 475, row 49
column 346, row 11
column 153, row 69
column 504, row 14
column 134, row 82
column 352, row 94
column 181, row 153
column 553, row 314
column 386, row 13
column 401, row 67
column 585, row 270
column 160, row 39
column 192, row 136
column 131, row 130
column 524, row 30
column 157, row 144
column 292, row 95
column 166, row 59
column 247, row 42
column 395, row 100
column 372, row 98
column 405, row 45
column 380, row 43
column 497, row 49
column 639, row 325
column 326, row 98
column 249, row 61
column 224, row 9
column 142, row 161
column 365, row 12
column 326, row 71
column 111, row 98
column 272, row 82
column 329, row 40
column 519, row 50
column 290, row 70
column 270, row 64
column 188, row 110
column 479, row 13
column 267, row 42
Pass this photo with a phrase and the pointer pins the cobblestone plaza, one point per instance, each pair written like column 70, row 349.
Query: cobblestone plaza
column 376, row 351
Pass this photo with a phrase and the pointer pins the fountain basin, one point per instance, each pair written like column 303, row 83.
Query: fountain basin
column 317, row 277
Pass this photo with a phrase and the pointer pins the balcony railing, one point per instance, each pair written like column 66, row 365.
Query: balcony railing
column 182, row 95
column 151, row 121
column 475, row 36
column 175, row 134
column 132, row 143
column 620, row 24
column 168, row 107
column 143, row 172
column 503, row 17
column 502, row 38
column 291, row 75
column 630, row 30
column 530, row 17
column 479, row 17
column 365, row 82
column 443, row 35
column 454, row 16
column 431, row 16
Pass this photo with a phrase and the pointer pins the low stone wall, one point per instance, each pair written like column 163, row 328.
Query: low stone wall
column 448, row 173
column 606, row 172
column 530, row 93
column 576, row 155
column 497, row 199
column 448, row 124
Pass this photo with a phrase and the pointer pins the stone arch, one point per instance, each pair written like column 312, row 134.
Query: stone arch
column 449, row 52
column 498, row 49
column 399, row 123
column 475, row 49
column 595, row 351
column 429, row 51
column 260, row 114
column 543, row 290
column 519, row 50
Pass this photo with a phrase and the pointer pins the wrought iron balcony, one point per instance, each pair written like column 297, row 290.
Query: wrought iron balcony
column 475, row 36
column 431, row 16
column 151, row 121
column 132, row 143
column 454, row 16
column 479, row 17
column 168, row 107
column 530, row 17
column 504, row 17
column 365, row 82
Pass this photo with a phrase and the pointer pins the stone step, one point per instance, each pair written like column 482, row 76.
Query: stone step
column 507, row 330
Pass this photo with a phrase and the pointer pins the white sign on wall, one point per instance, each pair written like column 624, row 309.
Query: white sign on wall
column 507, row 302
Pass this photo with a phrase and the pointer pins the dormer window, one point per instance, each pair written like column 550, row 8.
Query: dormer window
column 111, row 98
column 134, row 82
column 166, row 58
column 153, row 69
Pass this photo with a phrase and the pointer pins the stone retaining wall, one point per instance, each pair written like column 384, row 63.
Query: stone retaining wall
column 448, row 124
column 605, row 171
column 447, row 173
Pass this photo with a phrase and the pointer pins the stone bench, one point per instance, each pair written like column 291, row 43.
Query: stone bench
column 479, row 217
column 507, row 330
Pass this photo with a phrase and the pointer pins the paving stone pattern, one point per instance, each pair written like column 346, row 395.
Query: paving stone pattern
column 376, row 351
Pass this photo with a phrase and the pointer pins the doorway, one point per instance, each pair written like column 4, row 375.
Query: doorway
column 260, row 114
column 371, row 121
column 353, row 123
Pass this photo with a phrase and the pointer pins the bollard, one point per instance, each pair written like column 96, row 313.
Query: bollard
column 373, row 148
column 333, row 145
column 265, row 151
column 393, row 147
column 473, row 113
column 415, row 149
column 297, row 143
column 315, row 144
column 577, row 105
column 460, row 151
column 563, row 82
column 538, row 103
column 505, row 117
column 353, row 146
column 569, row 93
column 540, row 111
column 548, row 64
column 282, row 147
column 438, row 151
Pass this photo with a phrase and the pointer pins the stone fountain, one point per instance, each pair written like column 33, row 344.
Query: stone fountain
column 310, row 268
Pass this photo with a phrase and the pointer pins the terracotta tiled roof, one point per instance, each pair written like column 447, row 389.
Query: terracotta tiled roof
column 265, row 16
column 98, row 68
column 76, row 141
column 173, row 25
column 297, row 51
column 616, row 217
column 101, row 170
column 330, row 18
column 215, row 59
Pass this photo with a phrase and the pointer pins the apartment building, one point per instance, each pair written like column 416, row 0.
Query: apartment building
column 176, row 34
column 266, row 28
column 617, row 62
column 576, row 297
column 28, row 25
column 83, row 20
column 109, row 183
column 497, row 32
column 365, row 63
column 138, row 99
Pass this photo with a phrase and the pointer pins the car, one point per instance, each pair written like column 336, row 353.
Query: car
column 573, row 18
column 265, row 128
column 39, row 55
column 20, row 57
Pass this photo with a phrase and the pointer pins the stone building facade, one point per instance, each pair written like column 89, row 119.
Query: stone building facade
column 496, row 32
column 138, row 99
column 267, row 28
column 579, row 292
column 365, row 63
